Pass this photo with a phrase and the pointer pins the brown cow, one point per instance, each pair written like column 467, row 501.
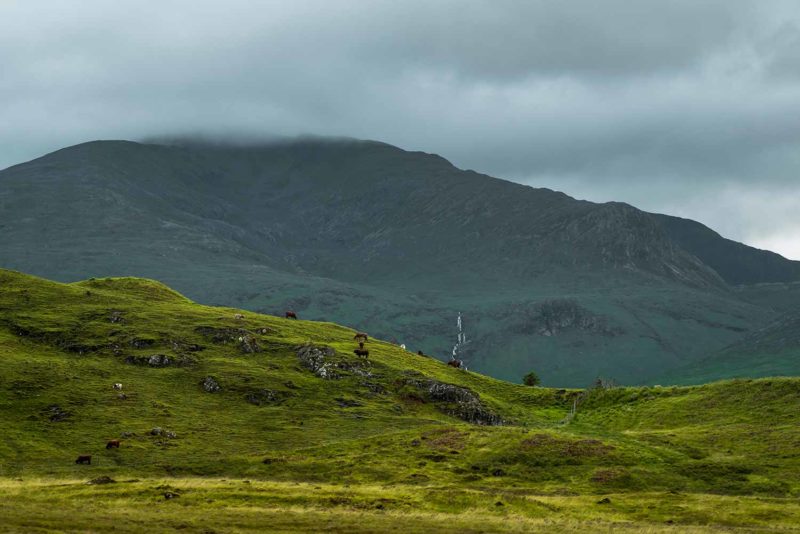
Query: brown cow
column 361, row 336
column 291, row 315
column 113, row 444
column 84, row 459
column 364, row 353
column 455, row 363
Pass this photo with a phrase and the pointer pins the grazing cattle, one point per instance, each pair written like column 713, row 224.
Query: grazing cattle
column 364, row 353
column 291, row 315
column 113, row 444
column 361, row 336
column 84, row 459
column 238, row 316
column 360, row 344
column 419, row 352
column 403, row 346
column 455, row 363
column 117, row 386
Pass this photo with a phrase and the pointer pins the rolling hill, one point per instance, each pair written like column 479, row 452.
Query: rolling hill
column 396, row 243
column 234, row 421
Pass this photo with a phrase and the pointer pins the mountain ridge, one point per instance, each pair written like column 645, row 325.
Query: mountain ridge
column 387, row 240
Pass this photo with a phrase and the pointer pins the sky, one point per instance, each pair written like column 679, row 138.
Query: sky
column 686, row 107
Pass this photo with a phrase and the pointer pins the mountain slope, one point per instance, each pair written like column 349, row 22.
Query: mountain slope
column 735, row 262
column 222, row 411
column 394, row 242
column 773, row 350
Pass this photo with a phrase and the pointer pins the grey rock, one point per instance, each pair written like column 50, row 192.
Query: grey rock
column 327, row 364
column 210, row 384
column 456, row 401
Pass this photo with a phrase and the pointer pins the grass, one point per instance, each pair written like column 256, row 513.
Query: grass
column 279, row 448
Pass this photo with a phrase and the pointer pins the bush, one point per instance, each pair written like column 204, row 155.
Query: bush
column 531, row 379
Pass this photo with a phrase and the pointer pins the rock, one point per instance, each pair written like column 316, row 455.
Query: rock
column 170, row 434
column 291, row 385
column 415, row 442
column 160, row 360
column 347, row 403
column 139, row 343
column 455, row 400
column 126, row 435
column 314, row 359
column 604, row 500
column 498, row 473
column 102, row 480
column 210, row 384
column 248, row 344
column 157, row 431
column 551, row 317
column 55, row 413
column 122, row 396
column 170, row 495
column 245, row 339
column 374, row 387
column 264, row 396
column 116, row 317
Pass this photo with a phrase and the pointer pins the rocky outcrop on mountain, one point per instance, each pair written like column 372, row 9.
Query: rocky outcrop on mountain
column 553, row 316
column 453, row 400
column 327, row 364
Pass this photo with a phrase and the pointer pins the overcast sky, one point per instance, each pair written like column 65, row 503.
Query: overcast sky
column 684, row 107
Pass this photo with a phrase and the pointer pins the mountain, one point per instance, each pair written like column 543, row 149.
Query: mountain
column 773, row 350
column 201, row 418
column 734, row 262
column 393, row 242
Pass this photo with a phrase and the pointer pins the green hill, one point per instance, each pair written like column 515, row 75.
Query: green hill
column 397, row 243
column 231, row 421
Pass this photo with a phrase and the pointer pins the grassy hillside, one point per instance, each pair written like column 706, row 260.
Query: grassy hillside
column 394, row 242
column 258, row 431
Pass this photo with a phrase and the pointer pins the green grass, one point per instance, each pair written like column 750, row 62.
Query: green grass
column 361, row 453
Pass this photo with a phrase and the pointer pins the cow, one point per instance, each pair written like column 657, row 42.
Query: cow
column 238, row 316
column 113, row 444
column 84, row 459
column 117, row 386
column 364, row 353
column 291, row 315
column 455, row 363
column 419, row 352
column 361, row 336
column 403, row 346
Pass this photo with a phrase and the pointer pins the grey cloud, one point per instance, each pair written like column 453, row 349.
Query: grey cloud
column 661, row 104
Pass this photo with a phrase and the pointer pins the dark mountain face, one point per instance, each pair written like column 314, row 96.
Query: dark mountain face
column 387, row 240
column 736, row 263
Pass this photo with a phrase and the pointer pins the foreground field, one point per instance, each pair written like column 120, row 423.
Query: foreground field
column 219, row 505
column 232, row 421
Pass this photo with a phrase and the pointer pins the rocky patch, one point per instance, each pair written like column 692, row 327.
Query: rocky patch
column 210, row 384
column 261, row 397
column 327, row 364
column 56, row 413
column 160, row 360
column 245, row 339
column 453, row 400
column 554, row 316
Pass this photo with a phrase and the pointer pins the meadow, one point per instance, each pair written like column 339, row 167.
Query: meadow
column 233, row 421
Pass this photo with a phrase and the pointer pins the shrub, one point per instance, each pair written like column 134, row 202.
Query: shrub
column 531, row 379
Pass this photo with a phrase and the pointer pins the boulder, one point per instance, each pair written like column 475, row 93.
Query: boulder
column 454, row 400
column 210, row 384
column 326, row 363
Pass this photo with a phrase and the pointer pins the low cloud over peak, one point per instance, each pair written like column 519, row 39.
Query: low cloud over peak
column 680, row 107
